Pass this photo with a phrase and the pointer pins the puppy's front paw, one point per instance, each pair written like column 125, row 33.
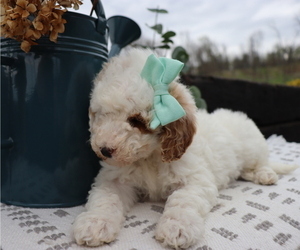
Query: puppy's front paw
column 95, row 229
column 180, row 232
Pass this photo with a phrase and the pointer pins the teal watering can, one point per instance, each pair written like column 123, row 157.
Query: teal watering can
column 46, row 159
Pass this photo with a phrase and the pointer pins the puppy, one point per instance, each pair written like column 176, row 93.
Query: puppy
column 184, row 162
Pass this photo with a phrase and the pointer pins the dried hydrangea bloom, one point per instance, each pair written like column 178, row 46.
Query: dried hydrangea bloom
column 38, row 23
column 28, row 20
column 57, row 27
column 24, row 8
column 25, row 46
column 2, row 13
column 56, row 23
column 33, row 33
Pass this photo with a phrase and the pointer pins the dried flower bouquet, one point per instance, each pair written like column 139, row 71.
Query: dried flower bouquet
column 28, row 20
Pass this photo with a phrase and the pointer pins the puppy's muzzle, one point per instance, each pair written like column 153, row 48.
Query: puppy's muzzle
column 107, row 152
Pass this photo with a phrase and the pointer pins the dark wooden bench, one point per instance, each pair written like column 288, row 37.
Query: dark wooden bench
column 274, row 108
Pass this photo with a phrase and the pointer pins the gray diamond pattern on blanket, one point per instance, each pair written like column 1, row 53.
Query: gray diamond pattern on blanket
column 247, row 216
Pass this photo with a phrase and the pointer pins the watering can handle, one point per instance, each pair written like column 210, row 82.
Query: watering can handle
column 101, row 25
column 97, row 6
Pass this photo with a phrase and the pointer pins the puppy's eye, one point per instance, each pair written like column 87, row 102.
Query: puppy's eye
column 137, row 121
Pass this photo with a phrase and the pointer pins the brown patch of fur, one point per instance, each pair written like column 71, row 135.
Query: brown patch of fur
column 137, row 121
column 177, row 136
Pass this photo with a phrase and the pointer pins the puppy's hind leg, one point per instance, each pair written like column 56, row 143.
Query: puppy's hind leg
column 263, row 175
column 266, row 173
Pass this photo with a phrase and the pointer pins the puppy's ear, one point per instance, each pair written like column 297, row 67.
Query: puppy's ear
column 177, row 136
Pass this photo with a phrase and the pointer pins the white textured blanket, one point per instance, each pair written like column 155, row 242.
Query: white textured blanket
column 247, row 216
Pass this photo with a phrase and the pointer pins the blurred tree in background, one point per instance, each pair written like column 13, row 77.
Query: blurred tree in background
column 280, row 65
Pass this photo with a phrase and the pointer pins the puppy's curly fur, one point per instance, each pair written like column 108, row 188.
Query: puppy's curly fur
column 184, row 163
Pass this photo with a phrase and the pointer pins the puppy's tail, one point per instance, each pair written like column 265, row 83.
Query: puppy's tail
column 282, row 168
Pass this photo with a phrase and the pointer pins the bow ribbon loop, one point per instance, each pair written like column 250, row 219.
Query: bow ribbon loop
column 160, row 72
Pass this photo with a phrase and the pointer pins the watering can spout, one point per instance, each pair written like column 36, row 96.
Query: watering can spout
column 114, row 50
column 122, row 31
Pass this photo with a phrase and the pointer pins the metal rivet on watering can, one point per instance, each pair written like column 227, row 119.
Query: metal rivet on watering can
column 122, row 31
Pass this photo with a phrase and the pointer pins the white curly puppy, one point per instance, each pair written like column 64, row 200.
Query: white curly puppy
column 184, row 162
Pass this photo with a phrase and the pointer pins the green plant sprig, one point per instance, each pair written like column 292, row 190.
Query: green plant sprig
column 179, row 52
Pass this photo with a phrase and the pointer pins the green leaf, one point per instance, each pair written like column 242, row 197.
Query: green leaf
column 167, row 41
column 195, row 91
column 186, row 69
column 200, row 103
column 158, row 28
column 166, row 46
column 169, row 34
column 161, row 11
column 180, row 54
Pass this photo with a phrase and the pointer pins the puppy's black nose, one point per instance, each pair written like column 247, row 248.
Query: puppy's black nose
column 107, row 152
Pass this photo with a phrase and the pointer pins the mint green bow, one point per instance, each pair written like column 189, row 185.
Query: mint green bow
column 160, row 72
